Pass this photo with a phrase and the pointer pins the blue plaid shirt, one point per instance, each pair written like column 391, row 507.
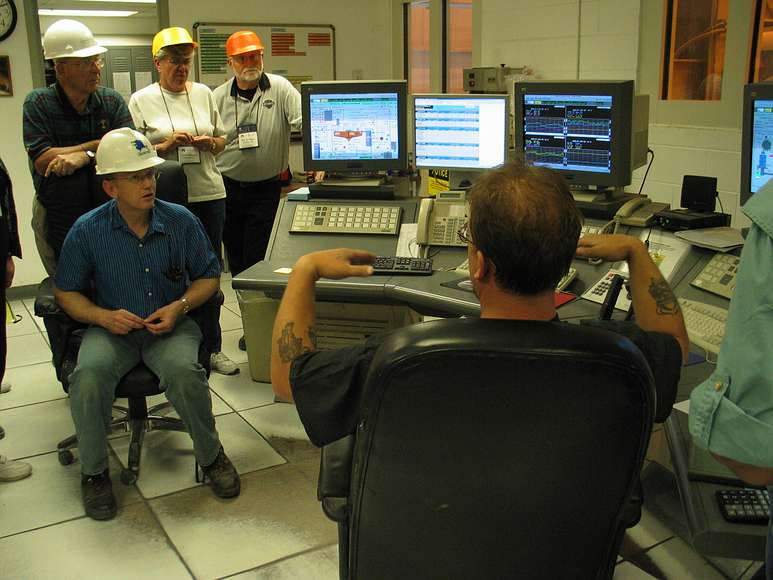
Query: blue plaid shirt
column 139, row 275
column 49, row 120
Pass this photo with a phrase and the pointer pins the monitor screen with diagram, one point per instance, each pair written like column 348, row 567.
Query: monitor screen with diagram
column 354, row 126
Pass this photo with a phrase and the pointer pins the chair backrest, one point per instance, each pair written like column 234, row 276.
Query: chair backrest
column 493, row 449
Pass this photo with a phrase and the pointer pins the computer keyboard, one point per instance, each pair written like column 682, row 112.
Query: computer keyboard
column 402, row 265
column 744, row 506
column 705, row 324
column 333, row 218
column 718, row 276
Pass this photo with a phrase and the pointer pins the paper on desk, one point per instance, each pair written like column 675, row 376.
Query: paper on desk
column 721, row 239
column 406, row 243
column 684, row 406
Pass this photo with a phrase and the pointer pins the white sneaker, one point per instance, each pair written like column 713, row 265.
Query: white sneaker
column 13, row 470
column 220, row 363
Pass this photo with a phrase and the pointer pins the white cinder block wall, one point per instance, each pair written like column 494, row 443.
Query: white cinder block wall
column 544, row 36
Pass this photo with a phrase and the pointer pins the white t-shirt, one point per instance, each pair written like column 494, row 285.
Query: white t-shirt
column 158, row 113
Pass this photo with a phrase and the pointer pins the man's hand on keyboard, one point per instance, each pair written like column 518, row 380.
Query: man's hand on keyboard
column 609, row 247
column 336, row 264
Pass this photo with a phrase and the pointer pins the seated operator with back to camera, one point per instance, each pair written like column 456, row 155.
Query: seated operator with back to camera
column 522, row 235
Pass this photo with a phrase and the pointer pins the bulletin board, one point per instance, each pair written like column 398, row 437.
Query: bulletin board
column 298, row 52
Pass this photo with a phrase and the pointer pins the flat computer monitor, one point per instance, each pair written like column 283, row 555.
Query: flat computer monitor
column 756, row 138
column 466, row 132
column 593, row 132
column 354, row 126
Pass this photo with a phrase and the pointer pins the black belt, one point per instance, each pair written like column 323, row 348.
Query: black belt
column 249, row 184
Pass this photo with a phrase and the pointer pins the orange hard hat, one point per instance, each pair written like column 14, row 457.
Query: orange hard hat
column 241, row 42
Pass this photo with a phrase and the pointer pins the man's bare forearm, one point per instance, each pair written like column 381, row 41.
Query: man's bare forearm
column 200, row 291
column 294, row 328
column 752, row 474
column 655, row 304
column 44, row 159
column 80, row 308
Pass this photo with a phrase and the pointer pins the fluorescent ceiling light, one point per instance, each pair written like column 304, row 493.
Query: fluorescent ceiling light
column 57, row 12
column 122, row 1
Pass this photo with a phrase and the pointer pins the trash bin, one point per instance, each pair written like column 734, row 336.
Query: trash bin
column 258, row 313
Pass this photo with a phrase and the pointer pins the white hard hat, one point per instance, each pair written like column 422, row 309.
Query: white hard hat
column 125, row 150
column 68, row 39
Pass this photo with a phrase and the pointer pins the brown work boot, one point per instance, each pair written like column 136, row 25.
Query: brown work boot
column 222, row 476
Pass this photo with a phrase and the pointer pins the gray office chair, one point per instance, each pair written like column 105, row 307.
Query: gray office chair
column 491, row 449
column 65, row 335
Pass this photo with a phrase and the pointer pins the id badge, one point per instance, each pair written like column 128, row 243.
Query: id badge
column 248, row 136
column 188, row 155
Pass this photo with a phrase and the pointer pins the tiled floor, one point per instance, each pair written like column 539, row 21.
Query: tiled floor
column 168, row 526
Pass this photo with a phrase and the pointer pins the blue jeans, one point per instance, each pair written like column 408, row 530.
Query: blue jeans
column 104, row 358
column 212, row 216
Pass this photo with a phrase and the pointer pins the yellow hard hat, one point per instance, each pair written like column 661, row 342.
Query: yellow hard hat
column 170, row 37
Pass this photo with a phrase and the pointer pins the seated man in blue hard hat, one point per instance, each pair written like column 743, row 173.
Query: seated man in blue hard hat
column 150, row 263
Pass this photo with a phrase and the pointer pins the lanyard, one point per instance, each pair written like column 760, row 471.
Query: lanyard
column 187, row 96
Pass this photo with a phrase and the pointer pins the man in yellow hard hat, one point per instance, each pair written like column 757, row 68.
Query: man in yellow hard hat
column 258, row 110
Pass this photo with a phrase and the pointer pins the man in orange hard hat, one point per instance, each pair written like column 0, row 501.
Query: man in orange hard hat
column 258, row 111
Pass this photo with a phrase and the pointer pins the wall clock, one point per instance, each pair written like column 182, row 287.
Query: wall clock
column 7, row 18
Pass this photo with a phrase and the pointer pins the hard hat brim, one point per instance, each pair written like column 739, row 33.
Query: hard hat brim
column 139, row 166
column 84, row 52
column 245, row 49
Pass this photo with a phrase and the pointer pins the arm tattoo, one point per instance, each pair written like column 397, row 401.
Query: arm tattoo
column 291, row 346
column 665, row 301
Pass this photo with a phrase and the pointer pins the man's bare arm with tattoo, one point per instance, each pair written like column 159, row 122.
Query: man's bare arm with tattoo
column 294, row 328
column 656, row 307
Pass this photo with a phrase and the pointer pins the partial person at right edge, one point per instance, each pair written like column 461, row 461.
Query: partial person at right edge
column 731, row 413
column 522, row 235
column 62, row 126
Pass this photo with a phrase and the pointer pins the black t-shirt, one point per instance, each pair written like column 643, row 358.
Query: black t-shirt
column 328, row 385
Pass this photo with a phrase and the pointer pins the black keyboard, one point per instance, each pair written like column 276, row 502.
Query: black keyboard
column 399, row 265
column 744, row 506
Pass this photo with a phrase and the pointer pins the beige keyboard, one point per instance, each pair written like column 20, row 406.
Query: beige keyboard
column 705, row 324
column 332, row 218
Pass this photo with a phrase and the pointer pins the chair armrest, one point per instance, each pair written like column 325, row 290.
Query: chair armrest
column 59, row 325
column 335, row 472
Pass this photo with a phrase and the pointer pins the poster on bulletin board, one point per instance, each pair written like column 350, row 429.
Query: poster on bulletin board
column 298, row 52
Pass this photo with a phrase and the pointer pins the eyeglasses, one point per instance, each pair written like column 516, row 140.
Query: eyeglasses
column 249, row 57
column 98, row 61
column 180, row 60
column 139, row 177
column 463, row 233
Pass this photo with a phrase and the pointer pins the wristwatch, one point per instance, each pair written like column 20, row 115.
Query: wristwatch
column 186, row 305
column 92, row 156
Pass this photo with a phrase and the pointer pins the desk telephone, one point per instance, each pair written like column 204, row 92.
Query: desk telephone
column 639, row 211
column 440, row 218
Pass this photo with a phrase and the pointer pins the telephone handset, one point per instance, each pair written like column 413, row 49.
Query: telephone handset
column 440, row 219
column 639, row 211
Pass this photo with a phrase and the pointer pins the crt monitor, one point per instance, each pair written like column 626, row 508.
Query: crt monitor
column 593, row 132
column 756, row 138
column 467, row 132
column 354, row 126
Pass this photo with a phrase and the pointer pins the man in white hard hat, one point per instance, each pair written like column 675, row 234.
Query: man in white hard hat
column 149, row 262
column 63, row 124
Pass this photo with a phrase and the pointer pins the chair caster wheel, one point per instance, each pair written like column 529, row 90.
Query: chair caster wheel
column 66, row 457
column 128, row 477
